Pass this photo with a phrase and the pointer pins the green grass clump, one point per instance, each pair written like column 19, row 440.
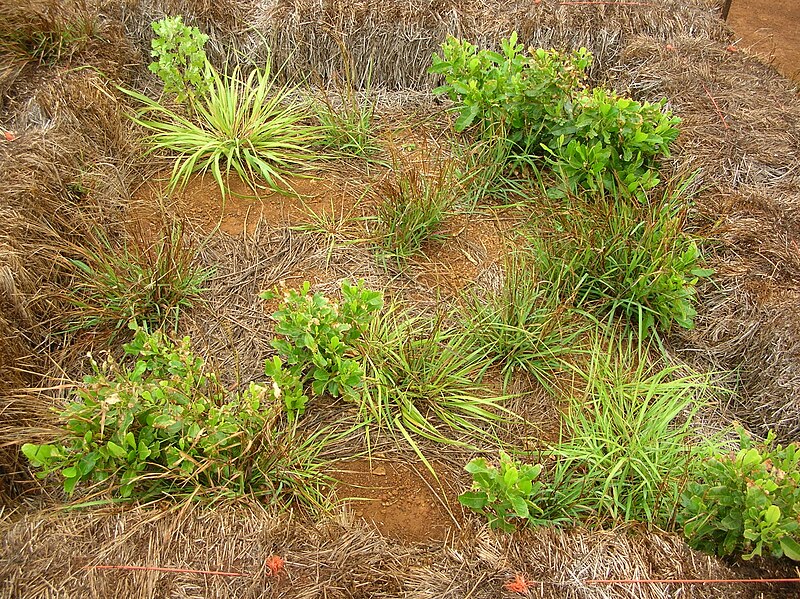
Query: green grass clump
column 160, row 423
column 347, row 126
column 145, row 282
column 626, row 454
column 423, row 379
column 627, row 258
column 247, row 125
column 629, row 444
column 524, row 326
column 411, row 207
column 46, row 36
column 347, row 120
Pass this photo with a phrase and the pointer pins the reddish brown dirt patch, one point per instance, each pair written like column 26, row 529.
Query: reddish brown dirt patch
column 201, row 202
column 770, row 28
column 398, row 499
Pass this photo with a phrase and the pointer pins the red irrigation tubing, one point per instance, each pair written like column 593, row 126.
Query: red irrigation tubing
column 609, row 2
column 696, row 581
column 159, row 569
column 716, row 106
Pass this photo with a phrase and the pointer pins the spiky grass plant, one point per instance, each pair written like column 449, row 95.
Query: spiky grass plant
column 629, row 444
column 527, row 325
column 488, row 168
column 347, row 116
column 337, row 226
column 423, row 379
column 148, row 282
column 347, row 124
column 247, row 125
column 411, row 207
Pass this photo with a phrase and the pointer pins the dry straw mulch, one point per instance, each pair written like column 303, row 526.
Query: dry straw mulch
column 52, row 555
column 391, row 42
column 749, row 205
column 71, row 132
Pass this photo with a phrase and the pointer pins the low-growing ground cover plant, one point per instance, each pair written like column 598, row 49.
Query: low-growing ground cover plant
column 180, row 58
column 512, row 493
column 149, row 282
column 160, row 422
column 746, row 502
column 315, row 340
column 592, row 138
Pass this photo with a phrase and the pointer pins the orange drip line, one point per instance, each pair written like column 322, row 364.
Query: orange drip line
column 696, row 581
column 716, row 106
column 610, row 3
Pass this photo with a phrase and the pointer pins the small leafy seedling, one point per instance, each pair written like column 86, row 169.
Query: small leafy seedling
column 503, row 494
column 314, row 338
column 181, row 61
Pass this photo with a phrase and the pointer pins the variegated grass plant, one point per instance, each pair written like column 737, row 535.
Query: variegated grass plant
column 248, row 125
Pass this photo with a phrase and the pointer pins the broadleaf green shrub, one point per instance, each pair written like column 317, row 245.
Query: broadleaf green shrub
column 593, row 138
column 314, row 340
column 181, row 61
column 160, row 422
column 525, row 96
column 746, row 502
column 611, row 141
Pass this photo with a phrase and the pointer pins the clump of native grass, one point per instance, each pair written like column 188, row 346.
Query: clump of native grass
column 628, row 442
column 626, row 257
column 423, row 379
column 528, row 324
column 347, row 116
column 147, row 280
column 412, row 203
column 47, row 33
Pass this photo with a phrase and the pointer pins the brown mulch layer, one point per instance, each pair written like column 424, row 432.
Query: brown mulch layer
column 53, row 555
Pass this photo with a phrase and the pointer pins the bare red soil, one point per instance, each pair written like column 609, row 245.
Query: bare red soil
column 403, row 501
column 770, row 28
